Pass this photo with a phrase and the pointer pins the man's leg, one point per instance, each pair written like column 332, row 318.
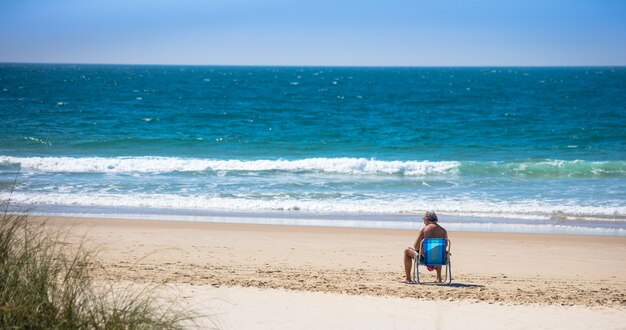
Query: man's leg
column 409, row 255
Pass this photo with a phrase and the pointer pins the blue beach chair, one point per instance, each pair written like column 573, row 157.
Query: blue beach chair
column 436, row 253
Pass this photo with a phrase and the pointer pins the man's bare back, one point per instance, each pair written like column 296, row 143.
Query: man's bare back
column 434, row 230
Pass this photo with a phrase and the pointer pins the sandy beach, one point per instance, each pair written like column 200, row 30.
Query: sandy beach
column 490, row 269
column 253, row 308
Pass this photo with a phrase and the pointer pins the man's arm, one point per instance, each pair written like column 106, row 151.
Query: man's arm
column 419, row 239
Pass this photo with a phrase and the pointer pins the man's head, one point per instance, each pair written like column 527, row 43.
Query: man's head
column 430, row 216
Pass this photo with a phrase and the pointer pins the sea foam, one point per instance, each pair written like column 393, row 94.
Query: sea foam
column 341, row 165
column 175, row 164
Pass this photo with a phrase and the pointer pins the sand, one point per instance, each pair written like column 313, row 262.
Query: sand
column 492, row 269
column 253, row 308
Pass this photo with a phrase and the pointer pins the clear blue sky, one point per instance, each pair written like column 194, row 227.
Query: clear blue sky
column 321, row 32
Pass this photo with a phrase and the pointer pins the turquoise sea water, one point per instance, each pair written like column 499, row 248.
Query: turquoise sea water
column 354, row 146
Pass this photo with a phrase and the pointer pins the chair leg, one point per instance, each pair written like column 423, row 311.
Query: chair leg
column 416, row 276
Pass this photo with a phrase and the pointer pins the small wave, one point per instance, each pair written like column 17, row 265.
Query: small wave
column 348, row 166
column 172, row 164
column 547, row 169
column 34, row 139
column 521, row 209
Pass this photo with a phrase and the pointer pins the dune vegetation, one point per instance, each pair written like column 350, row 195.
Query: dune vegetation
column 46, row 285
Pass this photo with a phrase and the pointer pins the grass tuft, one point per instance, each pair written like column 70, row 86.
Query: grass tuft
column 45, row 286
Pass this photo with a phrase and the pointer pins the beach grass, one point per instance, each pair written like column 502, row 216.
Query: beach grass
column 46, row 285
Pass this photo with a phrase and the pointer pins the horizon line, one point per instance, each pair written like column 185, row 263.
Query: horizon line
column 325, row 65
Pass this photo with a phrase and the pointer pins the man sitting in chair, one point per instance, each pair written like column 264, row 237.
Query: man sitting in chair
column 431, row 229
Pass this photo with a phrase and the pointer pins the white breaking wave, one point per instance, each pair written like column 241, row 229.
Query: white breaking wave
column 174, row 164
column 523, row 209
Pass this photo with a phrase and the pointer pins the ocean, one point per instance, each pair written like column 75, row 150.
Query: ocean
column 489, row 149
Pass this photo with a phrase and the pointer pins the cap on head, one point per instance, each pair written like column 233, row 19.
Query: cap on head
column 430, row 216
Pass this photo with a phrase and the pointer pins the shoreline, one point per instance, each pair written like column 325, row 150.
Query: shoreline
column 616, row 228
column 509, row 268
